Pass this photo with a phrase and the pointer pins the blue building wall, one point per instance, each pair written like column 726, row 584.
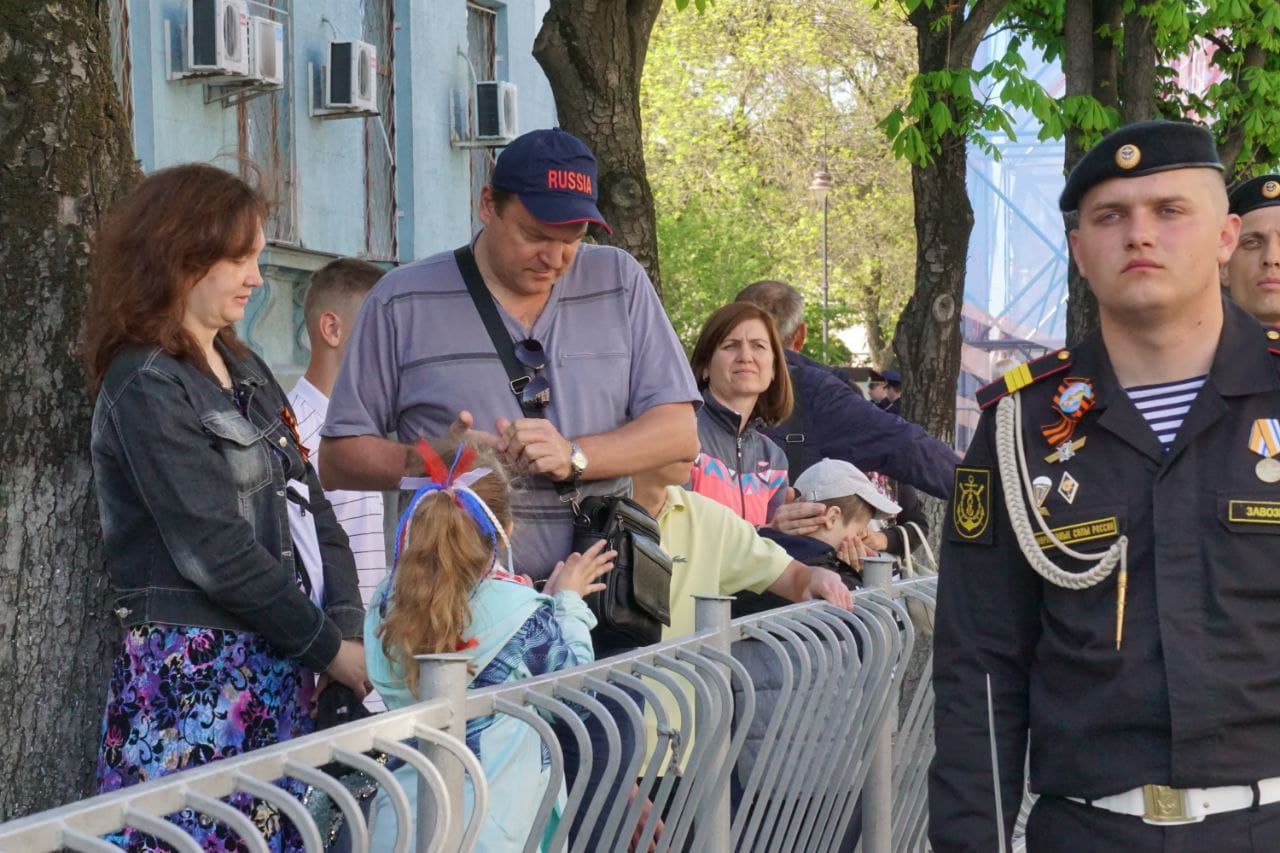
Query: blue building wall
column 332, row 177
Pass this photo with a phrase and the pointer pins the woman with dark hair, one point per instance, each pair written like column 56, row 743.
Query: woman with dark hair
column 226, row 613
column 740, row 367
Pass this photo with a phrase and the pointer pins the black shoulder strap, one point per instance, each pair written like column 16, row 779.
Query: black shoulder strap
column 493, row 324
column 502, row 343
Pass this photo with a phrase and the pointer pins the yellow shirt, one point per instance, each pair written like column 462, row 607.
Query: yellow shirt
column 714, row 551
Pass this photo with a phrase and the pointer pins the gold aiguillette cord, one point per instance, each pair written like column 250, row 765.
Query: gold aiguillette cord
column 1122, row 588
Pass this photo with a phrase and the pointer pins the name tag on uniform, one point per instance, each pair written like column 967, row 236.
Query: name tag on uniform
column 1253, row 512
column 1082, row 531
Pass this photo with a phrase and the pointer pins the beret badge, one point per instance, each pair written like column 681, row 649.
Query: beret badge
column 1128, row 156
column 1271, row 189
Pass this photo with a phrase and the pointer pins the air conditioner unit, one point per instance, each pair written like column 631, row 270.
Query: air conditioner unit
column 496, row 110
column 351, row 78
column 218, row 36
column 266, row 51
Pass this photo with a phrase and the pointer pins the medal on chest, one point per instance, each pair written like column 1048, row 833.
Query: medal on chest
column 1072, row 400
column 1264, row 440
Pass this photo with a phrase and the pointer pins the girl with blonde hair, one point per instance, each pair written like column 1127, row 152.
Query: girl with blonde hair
column 452, row 588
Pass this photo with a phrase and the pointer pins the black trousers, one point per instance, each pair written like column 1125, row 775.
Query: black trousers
column 1062, row 826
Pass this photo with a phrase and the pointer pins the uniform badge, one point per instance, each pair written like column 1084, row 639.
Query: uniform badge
column 1068, row 486
column 1128, row 156
column 971, row 504
column 1040, row 487
column 1072, row 400
column 1264, row 440
column 1271, row 189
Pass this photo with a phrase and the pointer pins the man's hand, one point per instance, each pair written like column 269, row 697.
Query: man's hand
column 461, row 430
column 826, row 585
column 645, row 811
column 801, row 518
column 535, row 446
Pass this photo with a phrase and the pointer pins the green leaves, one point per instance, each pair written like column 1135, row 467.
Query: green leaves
column 739, row 106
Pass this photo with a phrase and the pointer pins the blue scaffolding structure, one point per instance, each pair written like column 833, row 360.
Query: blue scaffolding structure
column 1016, row 279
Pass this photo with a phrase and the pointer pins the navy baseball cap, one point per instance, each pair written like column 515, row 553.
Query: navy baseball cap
column 554, row 175
column 893, row 377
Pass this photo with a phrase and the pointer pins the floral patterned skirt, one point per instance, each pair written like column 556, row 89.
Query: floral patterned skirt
column 184, row 696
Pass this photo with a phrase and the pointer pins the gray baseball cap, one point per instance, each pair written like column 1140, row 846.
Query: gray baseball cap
column 835, row 478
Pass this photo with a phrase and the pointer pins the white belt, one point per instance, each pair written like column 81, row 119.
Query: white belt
column 1162, row 805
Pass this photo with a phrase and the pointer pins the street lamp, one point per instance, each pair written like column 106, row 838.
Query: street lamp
column 820, row 186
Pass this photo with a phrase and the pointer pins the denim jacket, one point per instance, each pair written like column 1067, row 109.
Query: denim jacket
column 191, row 496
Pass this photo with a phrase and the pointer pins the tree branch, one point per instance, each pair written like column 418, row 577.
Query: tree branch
column 641, row 16
column 1223, row 46
column 969, row 35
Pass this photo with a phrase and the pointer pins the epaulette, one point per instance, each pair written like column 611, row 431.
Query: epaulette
column 1273, row 340
column 1024, row 375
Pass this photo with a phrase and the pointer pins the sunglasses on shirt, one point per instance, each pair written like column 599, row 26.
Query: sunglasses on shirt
column 534, row 390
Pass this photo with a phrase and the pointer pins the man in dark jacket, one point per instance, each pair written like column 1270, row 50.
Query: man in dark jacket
column 830, row 420
column 1124, row 624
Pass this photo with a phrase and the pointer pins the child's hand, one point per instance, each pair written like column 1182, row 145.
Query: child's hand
column 852, row 549
column 581, row 572
column 876, row 540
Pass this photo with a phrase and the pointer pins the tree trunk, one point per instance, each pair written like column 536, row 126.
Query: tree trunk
column 67, row 156
column 593, row 53
column 1079, row 46
column 1090, row 66
column 871, row 316
column 1138, row 69
column 1107, row 18
column 927, row 340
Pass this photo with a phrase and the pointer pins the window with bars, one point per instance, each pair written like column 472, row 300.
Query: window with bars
column 482, row 53
column 264, row 127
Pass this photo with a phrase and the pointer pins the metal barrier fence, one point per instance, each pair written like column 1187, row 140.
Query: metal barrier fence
column 831, row 739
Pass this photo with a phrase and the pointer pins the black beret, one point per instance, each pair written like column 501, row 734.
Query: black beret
column 1140, row 149
column 1262, row 191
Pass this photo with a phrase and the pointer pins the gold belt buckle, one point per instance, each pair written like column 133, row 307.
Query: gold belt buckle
column 1165, row 805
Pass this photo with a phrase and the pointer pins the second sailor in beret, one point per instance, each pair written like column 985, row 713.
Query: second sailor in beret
column 1108, row 590
column 1252, row 276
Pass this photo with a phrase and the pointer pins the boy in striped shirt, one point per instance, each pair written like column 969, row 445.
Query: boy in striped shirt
column 334, row 296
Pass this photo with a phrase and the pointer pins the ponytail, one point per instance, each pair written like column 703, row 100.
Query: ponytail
column 444, row 555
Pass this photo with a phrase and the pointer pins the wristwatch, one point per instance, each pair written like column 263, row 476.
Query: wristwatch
column 577, row 462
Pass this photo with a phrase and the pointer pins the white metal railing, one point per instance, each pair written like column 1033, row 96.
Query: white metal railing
column 837, row 738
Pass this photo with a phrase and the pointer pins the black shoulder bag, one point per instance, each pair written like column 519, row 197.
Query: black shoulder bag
column 636, row 601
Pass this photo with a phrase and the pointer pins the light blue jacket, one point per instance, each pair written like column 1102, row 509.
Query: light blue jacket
column 519, row 633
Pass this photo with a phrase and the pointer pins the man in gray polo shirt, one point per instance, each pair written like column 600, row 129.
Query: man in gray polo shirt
column 615, row 389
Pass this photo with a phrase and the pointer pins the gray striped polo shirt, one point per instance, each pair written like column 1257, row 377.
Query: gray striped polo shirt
column 419, row 354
